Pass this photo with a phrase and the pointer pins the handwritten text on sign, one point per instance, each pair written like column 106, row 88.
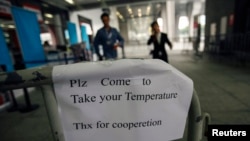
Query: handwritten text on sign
column 123, row 100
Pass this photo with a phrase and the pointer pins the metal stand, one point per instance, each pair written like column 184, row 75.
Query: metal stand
column 14, row 107
column 65, row 58
column 29, row 107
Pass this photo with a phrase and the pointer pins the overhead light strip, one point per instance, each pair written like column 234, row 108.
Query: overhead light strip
column 11, row 26
column 70, row 1
column 48, row 15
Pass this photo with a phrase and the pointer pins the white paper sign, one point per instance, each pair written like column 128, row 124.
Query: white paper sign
column 123, row 100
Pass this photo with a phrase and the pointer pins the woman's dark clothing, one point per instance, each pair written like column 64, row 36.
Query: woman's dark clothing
column 159, row 51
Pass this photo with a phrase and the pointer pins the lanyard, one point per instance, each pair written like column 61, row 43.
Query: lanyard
column 109, row 34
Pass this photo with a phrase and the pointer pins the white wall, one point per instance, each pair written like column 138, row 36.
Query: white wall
column 164, row 18
column 170, row 19
column 94, row 15
column 113, row 18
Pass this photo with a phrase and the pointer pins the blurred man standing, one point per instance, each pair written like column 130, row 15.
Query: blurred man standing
column 109, row 38
column 197, row 40
column 159, row 39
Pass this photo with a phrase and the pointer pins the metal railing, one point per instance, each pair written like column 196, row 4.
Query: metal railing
column 231, row 47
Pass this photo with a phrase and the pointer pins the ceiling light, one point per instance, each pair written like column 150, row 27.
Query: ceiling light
column 120, row 16
column 11, row 26
column 46, row 22
column 70, row 1
column 130, row 10
column 48, row 15
column 148, row 8
column 6, row 35
column 118, row 13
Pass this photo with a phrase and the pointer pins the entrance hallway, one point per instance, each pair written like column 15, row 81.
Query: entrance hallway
column 223, row 91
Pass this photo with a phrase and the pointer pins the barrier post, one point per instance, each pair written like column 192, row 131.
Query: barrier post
column 65, row 58
column 14, row 107
column 29, row 107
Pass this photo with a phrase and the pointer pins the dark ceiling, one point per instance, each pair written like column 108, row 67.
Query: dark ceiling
column 88, row 4
column 140, row 10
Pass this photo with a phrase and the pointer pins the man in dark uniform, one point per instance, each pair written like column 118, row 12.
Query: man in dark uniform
column 159, row 39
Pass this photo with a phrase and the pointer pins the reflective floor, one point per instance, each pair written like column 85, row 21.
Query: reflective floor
column 223, row 91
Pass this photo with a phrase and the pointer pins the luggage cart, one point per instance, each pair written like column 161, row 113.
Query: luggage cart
column 197, row 120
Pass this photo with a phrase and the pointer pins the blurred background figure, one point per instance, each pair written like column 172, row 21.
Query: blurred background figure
column 109, row 38
column 46, row 46
column 159, row 39
column 197, row 40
